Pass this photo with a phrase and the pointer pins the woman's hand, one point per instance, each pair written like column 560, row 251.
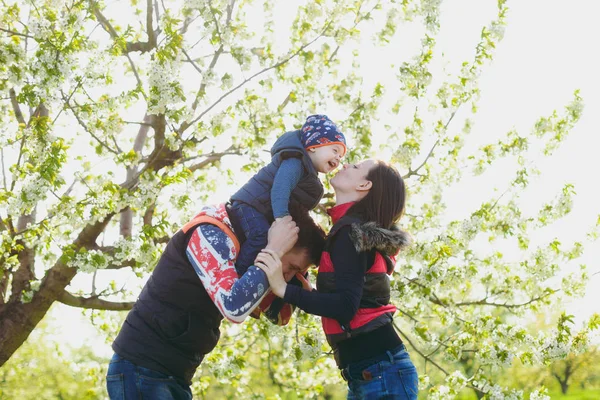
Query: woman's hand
column 282, row 236
column 269, row 261
column 306, row 285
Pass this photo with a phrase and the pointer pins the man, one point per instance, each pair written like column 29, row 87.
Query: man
column 175, row 321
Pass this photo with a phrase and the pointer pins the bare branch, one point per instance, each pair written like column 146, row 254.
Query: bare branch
column 159, row 124
column 13, row 33
column 212, row 158
column 425, row 357
column 137, row 76
column 93, row 303
column 149, row 214
column 138, row 123
column 412, row 172
column 4, row 287
column 4, row 185
column 126, row 223
column 357, row 20
column 211, row 66
column 186, row 24
column 484, row 302
column 79, row 84
column 149, row 30
column 106, row 25
column 157, row 11
column 285, row 102
column 186, row 125
column 16, row 107
column 214, row 19
column 84, row 126
column 213, row 62
column 21, row 280
column 129, row 46
column 196, row 67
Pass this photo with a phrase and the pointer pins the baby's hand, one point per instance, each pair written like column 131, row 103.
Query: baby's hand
column 281, row 218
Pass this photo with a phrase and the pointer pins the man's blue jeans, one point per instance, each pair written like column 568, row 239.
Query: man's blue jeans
column 394, row 377
column 127, row 381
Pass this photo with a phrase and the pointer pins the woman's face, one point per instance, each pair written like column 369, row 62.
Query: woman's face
column 352, row 177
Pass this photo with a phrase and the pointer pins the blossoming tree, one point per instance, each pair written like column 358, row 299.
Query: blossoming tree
column 117, row 120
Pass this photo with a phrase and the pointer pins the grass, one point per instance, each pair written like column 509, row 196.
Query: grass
column 576, row 394
column 572, row 394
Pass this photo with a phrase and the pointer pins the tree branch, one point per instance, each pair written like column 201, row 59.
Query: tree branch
column 426, row 358
column 21, row 279
column 137, row 76
column 93, row 303
column 4, row 184
column 209, row 70
column 16, row 107
column 84, row 126
column 412, row 172
column 129, row 46
column 196, row 67
column 213, row 157
column 149, row 30
column 126, row 222
column 186, row 125
column 484, row 302
column 213, row 62
column 149, row 214
column 13, row 33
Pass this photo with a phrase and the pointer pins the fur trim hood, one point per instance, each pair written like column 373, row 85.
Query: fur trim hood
column 369, row 236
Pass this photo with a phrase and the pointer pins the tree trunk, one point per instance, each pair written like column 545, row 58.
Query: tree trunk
column 478, row 393
column 126, row 227
column 564, row 387
column 18, row 319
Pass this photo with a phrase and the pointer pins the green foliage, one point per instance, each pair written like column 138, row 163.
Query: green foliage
column 44, row 370
column 137, row 116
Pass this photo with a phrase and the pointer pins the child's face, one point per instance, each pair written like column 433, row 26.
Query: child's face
column 326, row 158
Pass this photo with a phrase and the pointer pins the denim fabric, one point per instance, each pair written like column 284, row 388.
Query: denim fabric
column 127, row 381
column 393, row 378
column 255, row 227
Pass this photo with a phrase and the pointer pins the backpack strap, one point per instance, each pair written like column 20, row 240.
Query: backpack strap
column 205, row 219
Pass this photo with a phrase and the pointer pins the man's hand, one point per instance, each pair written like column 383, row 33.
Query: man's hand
column 282, row 236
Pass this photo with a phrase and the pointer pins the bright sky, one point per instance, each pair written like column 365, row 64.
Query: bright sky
column 547, row 53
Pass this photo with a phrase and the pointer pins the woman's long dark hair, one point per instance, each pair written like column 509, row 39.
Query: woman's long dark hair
column 384, row 204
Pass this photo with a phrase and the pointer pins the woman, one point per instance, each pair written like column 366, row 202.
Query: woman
column 353, row 287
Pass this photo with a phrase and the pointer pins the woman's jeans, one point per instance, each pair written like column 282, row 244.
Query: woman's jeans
column 389, row 376
column 127, row 381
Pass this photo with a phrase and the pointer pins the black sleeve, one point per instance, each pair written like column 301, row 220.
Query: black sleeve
column 350, row 267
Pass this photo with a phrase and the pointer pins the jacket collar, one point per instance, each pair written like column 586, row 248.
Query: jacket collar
column 339, row 211
column 369, row 236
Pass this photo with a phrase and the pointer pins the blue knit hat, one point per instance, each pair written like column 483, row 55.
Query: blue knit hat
column 319, row 130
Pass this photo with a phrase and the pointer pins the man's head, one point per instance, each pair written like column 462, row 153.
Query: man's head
column 307, row 250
